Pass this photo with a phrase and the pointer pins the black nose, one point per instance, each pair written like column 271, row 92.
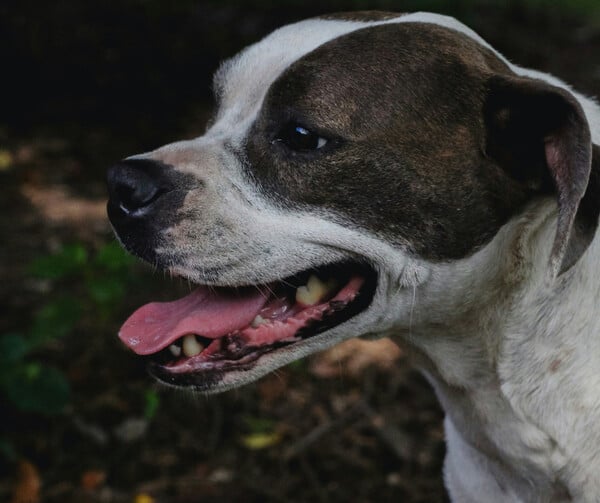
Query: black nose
column 135, row 184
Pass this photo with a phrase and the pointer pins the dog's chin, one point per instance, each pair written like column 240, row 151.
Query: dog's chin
column 220, row 338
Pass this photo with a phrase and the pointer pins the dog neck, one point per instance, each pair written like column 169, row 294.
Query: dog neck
column 501, row 363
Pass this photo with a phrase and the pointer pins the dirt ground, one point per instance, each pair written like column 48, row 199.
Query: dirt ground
column 356, row 424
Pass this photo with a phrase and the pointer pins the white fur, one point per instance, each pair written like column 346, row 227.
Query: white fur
column 514, row 361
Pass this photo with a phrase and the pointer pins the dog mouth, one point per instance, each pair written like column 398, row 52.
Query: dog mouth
column 195, row 340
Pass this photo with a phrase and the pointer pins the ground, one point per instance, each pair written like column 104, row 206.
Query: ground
column 356, row 424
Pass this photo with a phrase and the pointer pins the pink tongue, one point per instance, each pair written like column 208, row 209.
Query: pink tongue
column 204, row 312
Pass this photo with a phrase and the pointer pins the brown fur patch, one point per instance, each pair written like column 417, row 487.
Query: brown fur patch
column 401, row 105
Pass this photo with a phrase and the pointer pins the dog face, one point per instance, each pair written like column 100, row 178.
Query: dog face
column 351, row 167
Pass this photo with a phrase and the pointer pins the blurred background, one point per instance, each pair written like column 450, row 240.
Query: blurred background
column 87, row 83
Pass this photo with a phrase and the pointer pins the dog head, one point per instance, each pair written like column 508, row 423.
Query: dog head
column 352, row 165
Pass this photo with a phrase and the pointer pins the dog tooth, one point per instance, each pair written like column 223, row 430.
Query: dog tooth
column 191, row 346
column 175, row 350
column 314, row 291
column 258, row 321
column 303, row 296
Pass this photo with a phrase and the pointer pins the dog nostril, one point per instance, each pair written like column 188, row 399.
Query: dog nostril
column 137, row 184
column 137, row 195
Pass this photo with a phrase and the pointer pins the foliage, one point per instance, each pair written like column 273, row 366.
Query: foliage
column 152, row 401
column 33, row 386
column 96, row 284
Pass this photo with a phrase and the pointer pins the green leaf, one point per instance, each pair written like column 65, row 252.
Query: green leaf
column 258, row 424
column 112, row 257
column 7, row 450
column 13, row 348
column 106, row 290
column 56, row 319
column 37, row 388
column 32, row 371
column 68, row 261
column 258, row 441
column 152, row 401
column 299, row 365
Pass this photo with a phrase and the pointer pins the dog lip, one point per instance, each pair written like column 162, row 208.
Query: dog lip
column 205, row 371
column 283, row 326
column 211, row 312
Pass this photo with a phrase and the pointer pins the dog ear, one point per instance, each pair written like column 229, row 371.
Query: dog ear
column 538, row 133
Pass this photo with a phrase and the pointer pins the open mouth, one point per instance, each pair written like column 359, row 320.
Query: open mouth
column 190, row 341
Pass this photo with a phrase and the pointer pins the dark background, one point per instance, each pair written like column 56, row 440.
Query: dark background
column 84, row 84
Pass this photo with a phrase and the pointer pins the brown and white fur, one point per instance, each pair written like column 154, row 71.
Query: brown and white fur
column 469, row 183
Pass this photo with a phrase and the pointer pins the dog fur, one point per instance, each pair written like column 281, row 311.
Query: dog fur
column 496, row 296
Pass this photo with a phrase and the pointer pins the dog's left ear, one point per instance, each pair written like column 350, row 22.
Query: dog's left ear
column 538, row 133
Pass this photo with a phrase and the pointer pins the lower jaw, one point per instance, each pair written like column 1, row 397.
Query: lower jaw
column 208, row 376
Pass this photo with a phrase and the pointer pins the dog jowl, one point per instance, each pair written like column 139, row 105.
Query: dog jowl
column 386, row 176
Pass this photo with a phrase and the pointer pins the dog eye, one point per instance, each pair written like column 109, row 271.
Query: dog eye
column 296, row 137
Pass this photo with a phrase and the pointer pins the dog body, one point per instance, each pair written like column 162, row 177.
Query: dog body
column 469, row 185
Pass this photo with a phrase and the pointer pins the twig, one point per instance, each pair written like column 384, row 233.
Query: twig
column 321, row 430
column 398, row 441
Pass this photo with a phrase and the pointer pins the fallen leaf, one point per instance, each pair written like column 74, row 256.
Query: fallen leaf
column 257, row 441
column 27, row 487
column 131, row 429
column 221, row 476
column 92, row 479
column 143, row 498
column 58, row 206
column 351, row 357
column 6, row 160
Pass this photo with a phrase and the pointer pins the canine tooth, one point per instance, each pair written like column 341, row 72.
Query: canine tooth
column 314, row 290
column 258, row 321
column 175, row 350
column 191, row 346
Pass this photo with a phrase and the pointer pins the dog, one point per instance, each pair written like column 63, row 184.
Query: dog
column 379, row 174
